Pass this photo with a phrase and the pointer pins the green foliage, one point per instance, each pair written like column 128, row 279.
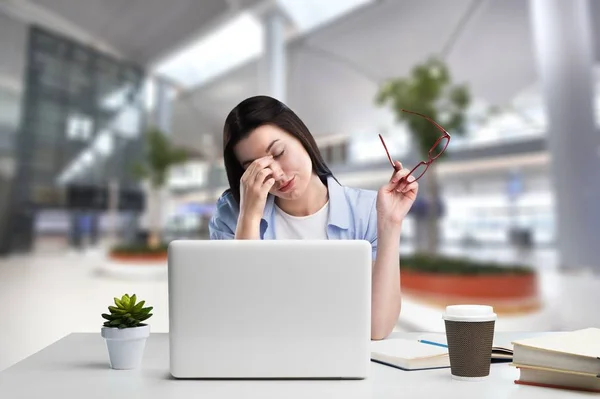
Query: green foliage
column 139, row 249
column 427, row 90
column 458, row 265
column 127, row 313
column 159, row 157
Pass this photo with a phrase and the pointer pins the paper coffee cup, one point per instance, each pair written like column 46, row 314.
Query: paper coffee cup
column 470, row 336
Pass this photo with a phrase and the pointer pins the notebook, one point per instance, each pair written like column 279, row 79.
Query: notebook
column 501, row 351
column 575, row 351
column 408, row 354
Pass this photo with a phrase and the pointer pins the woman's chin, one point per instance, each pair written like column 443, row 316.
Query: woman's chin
column 290, row 195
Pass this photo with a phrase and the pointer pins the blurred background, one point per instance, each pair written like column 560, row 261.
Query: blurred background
column 111, row 117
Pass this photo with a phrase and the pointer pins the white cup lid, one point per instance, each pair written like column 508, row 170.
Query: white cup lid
column 469, row 313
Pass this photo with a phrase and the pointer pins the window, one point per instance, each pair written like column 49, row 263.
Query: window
column 222, row 50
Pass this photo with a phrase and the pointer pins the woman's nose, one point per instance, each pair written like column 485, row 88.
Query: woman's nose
column 277, row 172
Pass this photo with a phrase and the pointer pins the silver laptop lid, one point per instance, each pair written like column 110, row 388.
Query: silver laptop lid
column 269, row 309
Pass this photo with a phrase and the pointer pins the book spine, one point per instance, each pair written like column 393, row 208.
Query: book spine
column 569, row 388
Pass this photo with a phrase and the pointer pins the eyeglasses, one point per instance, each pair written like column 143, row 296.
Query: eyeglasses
column 434, row 152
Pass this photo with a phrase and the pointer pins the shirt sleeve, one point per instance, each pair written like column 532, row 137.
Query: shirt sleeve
column 371, row 233
column 218, row 230
column 222, row 224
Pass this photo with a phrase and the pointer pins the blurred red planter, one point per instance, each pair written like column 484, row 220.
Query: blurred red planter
column 135, row 258
column 475, row 287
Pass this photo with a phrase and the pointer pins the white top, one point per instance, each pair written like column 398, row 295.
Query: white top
column 77, row 366
column 311, row 227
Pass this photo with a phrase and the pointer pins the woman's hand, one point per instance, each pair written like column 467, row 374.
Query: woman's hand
column 255, row 186
column 395, row 199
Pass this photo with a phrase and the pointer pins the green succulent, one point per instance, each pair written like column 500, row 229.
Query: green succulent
column 127, row 313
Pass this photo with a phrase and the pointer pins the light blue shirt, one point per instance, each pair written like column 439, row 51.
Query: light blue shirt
column 352, row 216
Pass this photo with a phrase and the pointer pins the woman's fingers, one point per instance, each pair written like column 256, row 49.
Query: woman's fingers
column 397, row 167
column 255, row 167
column 397, row 175
column 399, row 182
column 267, row 185
column 397, row 178
column 262, row 175
column 404, row 181
column 411, row 185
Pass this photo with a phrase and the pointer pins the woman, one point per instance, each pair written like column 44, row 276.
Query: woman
column 280, row 188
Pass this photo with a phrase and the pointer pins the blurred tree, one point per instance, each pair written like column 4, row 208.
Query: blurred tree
column 160, row 156
column 428, row 90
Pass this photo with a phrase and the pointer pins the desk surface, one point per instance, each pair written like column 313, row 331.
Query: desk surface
column 77, row 367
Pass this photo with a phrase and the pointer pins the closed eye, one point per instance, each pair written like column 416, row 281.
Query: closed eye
column 278, row 155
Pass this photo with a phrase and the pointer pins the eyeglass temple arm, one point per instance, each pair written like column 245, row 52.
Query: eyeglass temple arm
column 428, row 118
column 387, row 152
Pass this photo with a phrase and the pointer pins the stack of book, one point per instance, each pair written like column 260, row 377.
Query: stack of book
column 564, row 360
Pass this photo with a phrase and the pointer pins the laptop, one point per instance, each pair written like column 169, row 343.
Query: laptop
column 254, row 309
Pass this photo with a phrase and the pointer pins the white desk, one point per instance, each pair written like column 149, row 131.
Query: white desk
column 77, row 367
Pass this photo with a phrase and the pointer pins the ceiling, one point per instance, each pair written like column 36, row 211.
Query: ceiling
column 142, row 31
column 334, row 72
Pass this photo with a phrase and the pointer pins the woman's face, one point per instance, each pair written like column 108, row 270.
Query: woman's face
column 292, row 167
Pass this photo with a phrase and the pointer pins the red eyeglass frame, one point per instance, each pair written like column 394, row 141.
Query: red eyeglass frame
column 446, row 135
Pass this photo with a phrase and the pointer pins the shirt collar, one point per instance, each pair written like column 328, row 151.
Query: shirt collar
column 339, row 209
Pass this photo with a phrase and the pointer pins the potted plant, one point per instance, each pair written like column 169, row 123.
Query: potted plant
column 160, row 156
column 427, row 90
column 125, row 333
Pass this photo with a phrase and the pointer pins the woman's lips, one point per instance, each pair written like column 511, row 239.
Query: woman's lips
column 287, row 186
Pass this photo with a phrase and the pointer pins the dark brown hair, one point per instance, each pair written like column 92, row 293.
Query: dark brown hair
column 257, row 111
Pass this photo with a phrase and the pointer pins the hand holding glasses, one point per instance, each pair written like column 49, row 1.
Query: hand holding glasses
column 434, row 152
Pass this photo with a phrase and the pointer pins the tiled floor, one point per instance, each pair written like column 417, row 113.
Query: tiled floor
column 50, row 294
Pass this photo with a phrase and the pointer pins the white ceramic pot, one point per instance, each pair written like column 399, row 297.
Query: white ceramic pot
column 126, row 346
